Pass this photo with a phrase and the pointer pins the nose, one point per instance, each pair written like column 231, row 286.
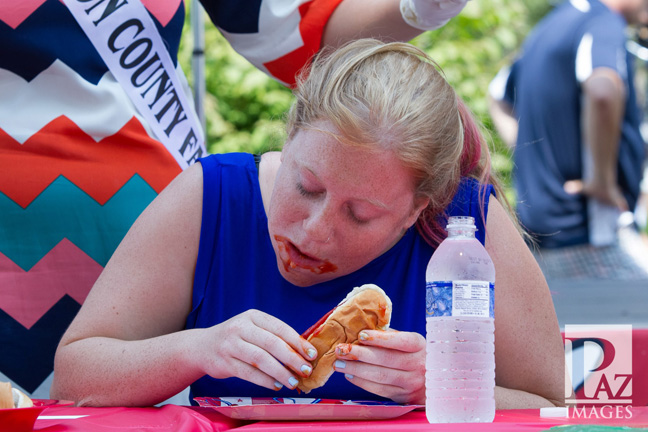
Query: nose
column 319, row 224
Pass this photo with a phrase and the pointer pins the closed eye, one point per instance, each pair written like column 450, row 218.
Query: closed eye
column 355, row 219
column 312, row 194
column 304, row 192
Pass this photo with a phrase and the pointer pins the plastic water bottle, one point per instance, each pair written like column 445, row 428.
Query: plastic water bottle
column 460, row 352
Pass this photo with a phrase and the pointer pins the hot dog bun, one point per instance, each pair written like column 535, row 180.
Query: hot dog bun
column 13, row 398
column 6, row 398
column 365, row 307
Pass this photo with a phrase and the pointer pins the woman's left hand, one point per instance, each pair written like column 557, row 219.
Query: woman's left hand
column 387, row 363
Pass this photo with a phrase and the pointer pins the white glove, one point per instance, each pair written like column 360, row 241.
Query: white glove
column 430, row 14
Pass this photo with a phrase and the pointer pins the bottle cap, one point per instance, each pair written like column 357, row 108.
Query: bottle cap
column 461, row 222
column 554, row 412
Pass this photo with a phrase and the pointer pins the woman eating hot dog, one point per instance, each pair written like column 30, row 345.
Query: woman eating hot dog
column 222, row 273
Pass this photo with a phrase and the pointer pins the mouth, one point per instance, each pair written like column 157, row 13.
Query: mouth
column 293, row 258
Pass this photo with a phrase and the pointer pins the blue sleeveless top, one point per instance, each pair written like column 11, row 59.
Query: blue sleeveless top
column 237, row 270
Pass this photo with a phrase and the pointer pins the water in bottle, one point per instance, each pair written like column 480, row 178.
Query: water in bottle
column 460, row 356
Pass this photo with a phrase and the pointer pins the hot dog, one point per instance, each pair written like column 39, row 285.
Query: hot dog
column 365, row 307
column 13, row 398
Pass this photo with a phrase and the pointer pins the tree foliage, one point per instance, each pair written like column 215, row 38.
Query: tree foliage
column 245, row 109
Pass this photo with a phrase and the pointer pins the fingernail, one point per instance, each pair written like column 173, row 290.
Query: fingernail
column 306, row 370
column 348, row 376
column 363, row 336
column 340, row 364
column 278, row 385
column 312, row 353
column 293, row 382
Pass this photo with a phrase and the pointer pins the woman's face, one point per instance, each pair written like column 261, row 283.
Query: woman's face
column 335, row 207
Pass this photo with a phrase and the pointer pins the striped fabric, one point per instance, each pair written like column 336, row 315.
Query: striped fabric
column 77, row 162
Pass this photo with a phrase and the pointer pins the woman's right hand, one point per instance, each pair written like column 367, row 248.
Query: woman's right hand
column 259, row 348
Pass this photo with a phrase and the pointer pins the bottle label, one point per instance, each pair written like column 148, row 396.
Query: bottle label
column 466, row 298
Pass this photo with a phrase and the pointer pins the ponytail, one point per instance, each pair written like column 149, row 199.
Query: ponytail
column 473, row 162
column 473, row 141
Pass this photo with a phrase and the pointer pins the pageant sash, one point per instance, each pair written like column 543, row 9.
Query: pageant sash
column 125, row 36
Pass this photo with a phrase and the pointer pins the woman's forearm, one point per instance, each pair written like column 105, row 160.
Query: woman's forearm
column 101, row 371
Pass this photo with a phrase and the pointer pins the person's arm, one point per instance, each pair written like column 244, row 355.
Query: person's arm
column 529, row 353
column 119, row 348
column 282, row 39
column 504, row 120
column 127, row 345
column 382, row 19
column 500, row 108
column 602, row 115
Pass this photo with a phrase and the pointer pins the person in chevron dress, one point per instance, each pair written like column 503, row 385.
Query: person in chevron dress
column 78, row 163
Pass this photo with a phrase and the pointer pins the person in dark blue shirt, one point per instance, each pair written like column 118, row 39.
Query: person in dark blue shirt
column 568, row 106
column 219, row 276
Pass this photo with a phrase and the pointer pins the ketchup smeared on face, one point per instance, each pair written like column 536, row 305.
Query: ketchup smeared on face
column 283, row 244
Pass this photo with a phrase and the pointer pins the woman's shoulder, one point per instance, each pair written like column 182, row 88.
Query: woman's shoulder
column 268, row 167
column 270, row 163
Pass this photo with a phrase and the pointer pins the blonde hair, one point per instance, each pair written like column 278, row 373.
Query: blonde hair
column 392, row 96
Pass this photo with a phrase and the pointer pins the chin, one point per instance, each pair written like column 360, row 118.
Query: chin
column 304, row 278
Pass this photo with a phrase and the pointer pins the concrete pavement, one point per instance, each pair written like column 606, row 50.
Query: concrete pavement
column 600, row 301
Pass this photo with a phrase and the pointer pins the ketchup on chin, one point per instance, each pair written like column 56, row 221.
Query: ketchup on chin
column 283, row 244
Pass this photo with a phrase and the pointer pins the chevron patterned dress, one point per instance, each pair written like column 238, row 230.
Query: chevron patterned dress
column 78, row 163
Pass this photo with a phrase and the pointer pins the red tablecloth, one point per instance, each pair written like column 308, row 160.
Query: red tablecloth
column 167, row 418
column 176, row 418
column 505, row 421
